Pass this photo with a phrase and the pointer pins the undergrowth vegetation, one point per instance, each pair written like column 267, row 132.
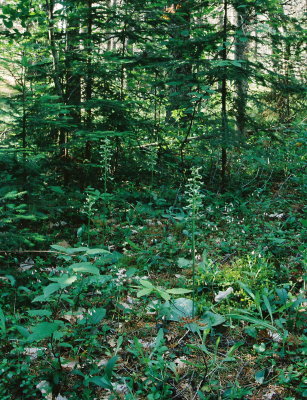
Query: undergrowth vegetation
column 152, row 200
column 147, row 293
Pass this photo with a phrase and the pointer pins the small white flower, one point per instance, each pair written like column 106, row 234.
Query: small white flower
column 223, row 294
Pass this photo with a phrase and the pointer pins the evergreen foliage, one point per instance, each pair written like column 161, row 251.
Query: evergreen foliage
column 152, row 197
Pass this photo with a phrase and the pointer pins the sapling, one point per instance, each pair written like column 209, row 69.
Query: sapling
column 193, row 207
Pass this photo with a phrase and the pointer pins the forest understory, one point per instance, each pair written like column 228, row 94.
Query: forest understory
column 152, row 200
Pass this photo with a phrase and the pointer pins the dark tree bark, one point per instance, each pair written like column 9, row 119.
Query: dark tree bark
column 224, row 163
column 89, row 78
column 241, row 82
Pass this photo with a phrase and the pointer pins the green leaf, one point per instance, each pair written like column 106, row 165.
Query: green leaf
column 52, row 288
column 2, row 321
column 40, row 298
column 11, row 279
column 181, row 308
column 247, row 290
column 268, row 306
column 258, row 322
column 66, row 345
column 283, row 295
column 43, row 331
column 97, row 315
column 74, row 250
column 144, row 292
column 64, row 280
column 8, row 23
column 184, row 263
column 213, row 319
column 85, row 267
column 234, row 348
column 101, row 381
column 59, row 248
column 110, row 366
column 178, row 291
column 57, row 189
column 260, row 376
column 23, row 289
column 146, row 284
column 93, row 252
column 23, row 331
column 163, row 294
column 39, row 313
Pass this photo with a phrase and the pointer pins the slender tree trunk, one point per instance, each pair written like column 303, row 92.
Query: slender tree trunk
column 55, row 57
column 24, row 126
column 241, row 82
column 89, row 78
column 56, row 72
column 73, row 76
column 224, row 162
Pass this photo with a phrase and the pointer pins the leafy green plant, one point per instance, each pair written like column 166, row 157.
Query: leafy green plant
column 105, row 151
column 147, row 289
column 89, row 209
column 193, row 208
column 158, row 370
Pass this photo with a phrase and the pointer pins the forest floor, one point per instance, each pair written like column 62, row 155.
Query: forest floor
column 117, row 321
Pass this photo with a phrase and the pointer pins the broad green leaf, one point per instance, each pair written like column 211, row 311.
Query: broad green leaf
column 101, row 381
column 39, row 313
column 184, row 263
column 110, row 366
column 40, row 298
column 42, row 331
column 163, row 294
column 96, row 251
column 97, row 315
column 74, row 250
column 178, row 291
column 64, row 280
column 260, row 376
column 212, row 319
column 60, row 248
column 144, row 292
column 85, row 267
column 146, row 284
column 23, row 331
column 180, row 308
column 52, row 288
column 283, row 295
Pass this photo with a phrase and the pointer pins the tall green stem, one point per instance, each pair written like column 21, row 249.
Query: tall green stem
column 193, row 255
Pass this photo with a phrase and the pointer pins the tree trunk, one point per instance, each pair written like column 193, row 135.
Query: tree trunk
column 89, row 78
column 241, row 82
column 224, row 104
